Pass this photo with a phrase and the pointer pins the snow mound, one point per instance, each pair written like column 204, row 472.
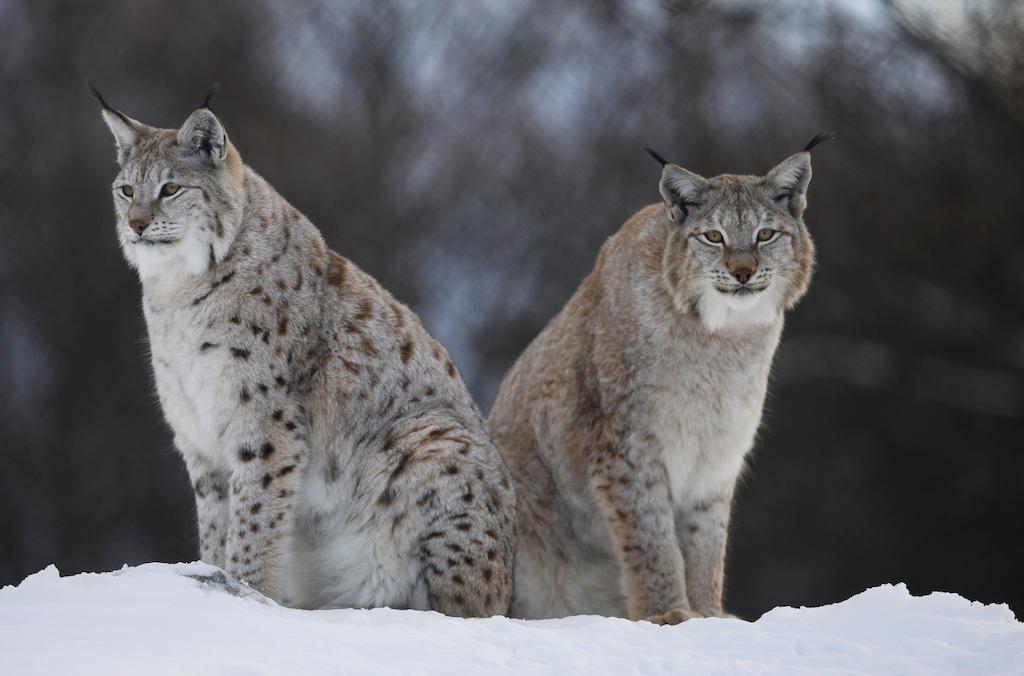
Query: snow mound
column 193, row 619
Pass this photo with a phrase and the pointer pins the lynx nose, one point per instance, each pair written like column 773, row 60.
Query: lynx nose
column 138, row 226
column 742, row 275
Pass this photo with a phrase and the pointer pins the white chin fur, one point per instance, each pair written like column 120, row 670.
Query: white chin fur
column 725, row 310
column 187, row 255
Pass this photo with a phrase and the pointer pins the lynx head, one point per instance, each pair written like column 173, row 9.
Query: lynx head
column 178, row 196
column 738, row 252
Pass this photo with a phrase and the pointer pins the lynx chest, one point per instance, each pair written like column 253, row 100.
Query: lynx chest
column 706, row 413
column 198, row 379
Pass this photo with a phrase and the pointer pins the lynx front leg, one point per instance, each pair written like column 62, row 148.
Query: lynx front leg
column 211, row 489
column 639, row 512
column 702, row 530
column 265, row 475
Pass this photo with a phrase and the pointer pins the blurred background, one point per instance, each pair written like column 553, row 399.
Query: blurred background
column 473, row 156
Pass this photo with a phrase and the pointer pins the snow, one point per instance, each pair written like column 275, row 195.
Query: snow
column 192, row 619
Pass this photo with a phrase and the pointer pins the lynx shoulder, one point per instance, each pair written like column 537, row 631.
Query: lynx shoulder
column 336, row 456
column 626, row 422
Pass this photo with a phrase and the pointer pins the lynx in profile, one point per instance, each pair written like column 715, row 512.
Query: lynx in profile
column 625, row 423
column 336, row 456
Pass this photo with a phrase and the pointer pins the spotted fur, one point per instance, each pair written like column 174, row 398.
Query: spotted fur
column 336, row 456
column 627, row 420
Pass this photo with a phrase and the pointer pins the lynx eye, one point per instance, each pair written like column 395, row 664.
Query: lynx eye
column 714, row 236
column 127, row 190
column 169, row 189
column 766, row 234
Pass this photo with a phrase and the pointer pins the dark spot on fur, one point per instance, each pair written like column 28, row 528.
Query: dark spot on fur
column 336, row 270
column 451, row 469
column 224, row 280
column 282, row 326
column 278, row 414
column 365, row 310
column 406, row 350
column 255, row 509
column 246, row 454
column 239, row 353
column 332, row 472
column 267, row 478
column 368, row 348
column 200, row 299
column 244, row 395
column 266, row 450
column 207, row 346
column 427, row 496
column 400, row 467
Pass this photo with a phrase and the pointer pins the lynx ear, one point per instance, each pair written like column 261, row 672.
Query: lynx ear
column 126, row 131
column 787, row 183
column 204, row 135
column 682, row 190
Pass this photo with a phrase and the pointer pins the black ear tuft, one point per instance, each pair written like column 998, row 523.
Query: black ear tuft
column 95, row 94
column 661, row 160
column 210, row 94
column 820, row 137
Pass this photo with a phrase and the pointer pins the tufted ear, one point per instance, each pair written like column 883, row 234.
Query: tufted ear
column 126, row 131
column 204, row 135
column 788, row 181
column 681, row 189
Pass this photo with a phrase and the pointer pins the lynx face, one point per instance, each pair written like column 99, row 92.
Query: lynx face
column 738, row 253
column 176, row 194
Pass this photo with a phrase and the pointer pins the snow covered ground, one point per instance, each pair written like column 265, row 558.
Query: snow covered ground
column 189, row 619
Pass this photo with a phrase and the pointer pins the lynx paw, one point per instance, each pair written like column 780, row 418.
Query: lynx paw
column 674, row 616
